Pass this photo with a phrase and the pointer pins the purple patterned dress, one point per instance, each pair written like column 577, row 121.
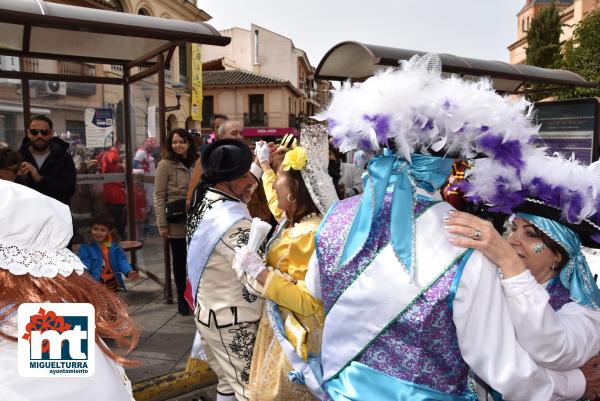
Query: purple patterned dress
column 559, row 295
column 421, row 346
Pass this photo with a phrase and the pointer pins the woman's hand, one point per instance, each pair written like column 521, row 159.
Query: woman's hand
column 163, row 232
column 472, row 232
column 249, row 262
column 262, row 152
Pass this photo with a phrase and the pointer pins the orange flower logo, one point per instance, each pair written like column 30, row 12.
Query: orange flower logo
column 44, row 321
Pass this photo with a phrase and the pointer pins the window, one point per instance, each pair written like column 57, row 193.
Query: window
column 113, row 5
column 182, row 60
column 256, row 60
column 143, row 11
column 208, row 109
column 523, row 25
column 256, row 116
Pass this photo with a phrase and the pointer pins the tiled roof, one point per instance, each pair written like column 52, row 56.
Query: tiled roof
column 550, row 1
column 530, row 3
column 237, row 78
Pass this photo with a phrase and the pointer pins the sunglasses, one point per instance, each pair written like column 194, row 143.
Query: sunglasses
column 36, row 132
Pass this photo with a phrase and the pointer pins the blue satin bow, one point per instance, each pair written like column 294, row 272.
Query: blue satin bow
column 386, row 173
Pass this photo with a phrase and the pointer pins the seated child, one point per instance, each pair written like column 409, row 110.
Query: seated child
column 102, row 256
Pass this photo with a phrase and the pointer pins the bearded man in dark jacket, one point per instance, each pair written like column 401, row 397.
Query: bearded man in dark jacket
column 46, row 167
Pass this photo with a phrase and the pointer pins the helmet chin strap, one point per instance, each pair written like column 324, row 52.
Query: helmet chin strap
column 232, row 192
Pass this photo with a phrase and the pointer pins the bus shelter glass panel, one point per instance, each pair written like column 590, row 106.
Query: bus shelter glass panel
column 88, row 120
column 11, row 113
column 146, row 156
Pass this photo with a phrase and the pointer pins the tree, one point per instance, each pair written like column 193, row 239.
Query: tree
column 543, row 38
column 582, row 55
column 543, row 44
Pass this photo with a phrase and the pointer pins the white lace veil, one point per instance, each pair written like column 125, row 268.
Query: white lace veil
column 314, row 140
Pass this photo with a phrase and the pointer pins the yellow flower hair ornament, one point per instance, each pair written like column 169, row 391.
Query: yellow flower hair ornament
column 295, row 158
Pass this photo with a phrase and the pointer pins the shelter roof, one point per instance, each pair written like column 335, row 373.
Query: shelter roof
column 358, row 61
column 37, row 28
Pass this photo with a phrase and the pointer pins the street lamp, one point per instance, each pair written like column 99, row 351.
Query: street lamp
column 178, row 92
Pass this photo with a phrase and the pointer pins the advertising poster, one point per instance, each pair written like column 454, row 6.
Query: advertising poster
column 99, row 128
column 569, row 127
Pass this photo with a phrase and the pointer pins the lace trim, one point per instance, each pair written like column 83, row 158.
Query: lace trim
column 20, row 260
column 315, row 176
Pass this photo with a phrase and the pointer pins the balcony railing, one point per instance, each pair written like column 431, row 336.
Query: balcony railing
column 75, row 68
column 184, row 81
column 256, row 120
column 116, row 68
column 30, row 64
column 295, row 121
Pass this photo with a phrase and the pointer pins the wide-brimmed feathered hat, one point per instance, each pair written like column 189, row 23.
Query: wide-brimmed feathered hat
column 424, row 120
column 548, row 186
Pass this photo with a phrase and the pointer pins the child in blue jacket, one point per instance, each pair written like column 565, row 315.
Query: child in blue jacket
column 104, row 259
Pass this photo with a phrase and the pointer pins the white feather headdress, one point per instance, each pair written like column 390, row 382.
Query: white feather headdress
column 413, row 109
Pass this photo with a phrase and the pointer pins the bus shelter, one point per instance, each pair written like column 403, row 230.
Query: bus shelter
column 571, row 127
column 101, row 76
column 358, row 61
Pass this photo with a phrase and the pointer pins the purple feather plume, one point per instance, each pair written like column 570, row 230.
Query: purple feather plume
column 505, row 197
column 575, row 207
column 337, row 141
column 507, row 153
column 365, row 144
column 381, row 125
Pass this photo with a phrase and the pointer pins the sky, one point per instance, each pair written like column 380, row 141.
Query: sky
column 469, row 28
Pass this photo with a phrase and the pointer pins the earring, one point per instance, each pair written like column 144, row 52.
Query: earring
column 289, row 198
column 539, row 247
column 554, row 266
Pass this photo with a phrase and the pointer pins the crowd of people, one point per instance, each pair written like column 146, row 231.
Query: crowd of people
column 309, row 278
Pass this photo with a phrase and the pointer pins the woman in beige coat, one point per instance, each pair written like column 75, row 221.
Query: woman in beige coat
column 171, row 184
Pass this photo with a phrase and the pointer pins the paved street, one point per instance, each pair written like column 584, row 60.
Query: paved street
column 165, row 336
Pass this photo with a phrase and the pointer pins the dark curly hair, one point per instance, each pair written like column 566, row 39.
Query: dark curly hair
column 192, row 153
column 9, row 157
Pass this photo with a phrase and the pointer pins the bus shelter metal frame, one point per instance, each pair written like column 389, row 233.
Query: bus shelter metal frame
column 358, row 61
column 113, row 26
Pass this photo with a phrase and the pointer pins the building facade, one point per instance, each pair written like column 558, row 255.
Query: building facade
column 291, row 97
column 571, row 12
column 65, row 102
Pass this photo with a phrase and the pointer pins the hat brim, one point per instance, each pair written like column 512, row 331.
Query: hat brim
column 585, row 230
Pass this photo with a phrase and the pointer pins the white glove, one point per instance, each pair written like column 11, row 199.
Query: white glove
column 262, row 151
column 247, row 261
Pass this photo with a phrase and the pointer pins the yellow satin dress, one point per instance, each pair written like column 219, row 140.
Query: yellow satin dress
column 288, row 255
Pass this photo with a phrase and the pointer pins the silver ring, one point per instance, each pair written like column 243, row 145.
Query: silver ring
column 476, row 235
